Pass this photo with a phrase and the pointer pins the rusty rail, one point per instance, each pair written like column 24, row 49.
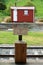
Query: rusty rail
column 26, row 55
column 30, row 56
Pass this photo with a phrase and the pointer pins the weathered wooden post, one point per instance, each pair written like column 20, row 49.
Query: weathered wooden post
column 21, row 16
column 20, row 45
column 20, row 52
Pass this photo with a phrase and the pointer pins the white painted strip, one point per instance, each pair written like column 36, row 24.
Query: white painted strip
column 15, row 15
column 33, row 16
column 10, row 29
column 22, row 7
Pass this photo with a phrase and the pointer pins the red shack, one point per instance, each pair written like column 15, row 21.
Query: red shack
column 22, row 14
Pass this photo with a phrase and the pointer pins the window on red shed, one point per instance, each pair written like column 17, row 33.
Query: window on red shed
column 25, row 12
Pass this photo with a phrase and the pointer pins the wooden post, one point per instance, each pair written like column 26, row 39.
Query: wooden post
column 15, row 4
column 20, row 52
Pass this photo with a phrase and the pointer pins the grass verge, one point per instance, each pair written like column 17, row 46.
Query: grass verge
column 33, row 38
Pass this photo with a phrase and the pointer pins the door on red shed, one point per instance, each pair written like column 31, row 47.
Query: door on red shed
column 15, row 15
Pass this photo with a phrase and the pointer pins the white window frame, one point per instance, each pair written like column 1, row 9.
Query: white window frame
column 25, row 12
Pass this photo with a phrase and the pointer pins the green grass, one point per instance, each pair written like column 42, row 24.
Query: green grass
column 7, row 37
column 39, row 7
column 33, row 38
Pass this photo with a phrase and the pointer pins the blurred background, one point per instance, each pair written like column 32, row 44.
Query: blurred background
column 35, row 34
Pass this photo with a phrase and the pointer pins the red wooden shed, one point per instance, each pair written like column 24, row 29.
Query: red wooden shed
column 22, row 14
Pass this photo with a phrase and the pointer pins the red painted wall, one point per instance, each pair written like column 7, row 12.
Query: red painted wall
column 25, row 18
column 22, row 17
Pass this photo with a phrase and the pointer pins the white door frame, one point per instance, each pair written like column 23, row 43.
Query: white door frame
column 15, row 15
